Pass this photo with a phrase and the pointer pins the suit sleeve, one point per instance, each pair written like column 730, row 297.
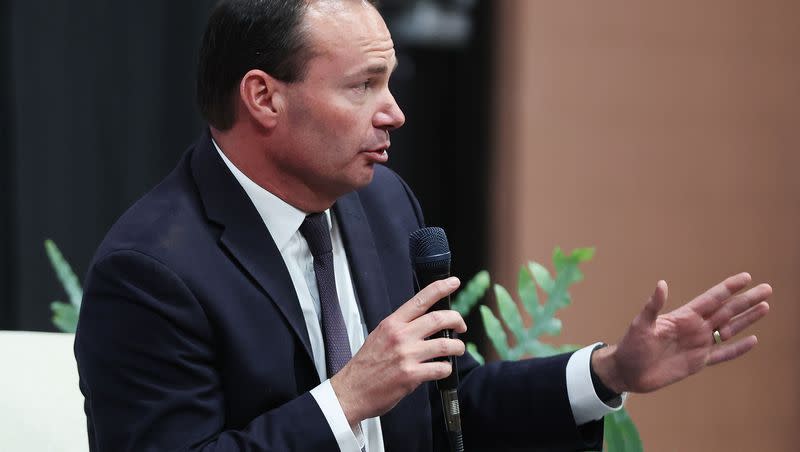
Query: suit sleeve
column 522, row 405
column 146, row 355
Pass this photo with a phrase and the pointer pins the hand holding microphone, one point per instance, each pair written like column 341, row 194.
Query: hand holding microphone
column 396, row 357
column 412, row 346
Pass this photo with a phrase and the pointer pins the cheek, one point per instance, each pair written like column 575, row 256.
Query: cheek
column 344, row 116
column 344, row 130
column 332, row 125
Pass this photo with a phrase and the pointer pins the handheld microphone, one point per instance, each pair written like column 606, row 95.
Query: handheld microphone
column 430, row 257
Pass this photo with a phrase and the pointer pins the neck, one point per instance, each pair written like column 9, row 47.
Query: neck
column 253, row 162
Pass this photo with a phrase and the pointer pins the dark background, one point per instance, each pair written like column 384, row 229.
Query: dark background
column 98, row 105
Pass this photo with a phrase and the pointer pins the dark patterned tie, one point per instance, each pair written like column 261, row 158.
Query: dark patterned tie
column 316, row 231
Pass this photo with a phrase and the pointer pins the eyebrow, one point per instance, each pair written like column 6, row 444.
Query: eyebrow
column 380, row 69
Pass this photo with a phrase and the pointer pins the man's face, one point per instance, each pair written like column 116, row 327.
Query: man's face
column 337, row 120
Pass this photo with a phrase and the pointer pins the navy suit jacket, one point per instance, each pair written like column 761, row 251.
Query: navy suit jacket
column 191, row 337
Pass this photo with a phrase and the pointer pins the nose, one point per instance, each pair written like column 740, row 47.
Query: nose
column 389, row 117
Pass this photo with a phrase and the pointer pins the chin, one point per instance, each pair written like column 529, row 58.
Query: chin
column 362, row 179
column 366, row 180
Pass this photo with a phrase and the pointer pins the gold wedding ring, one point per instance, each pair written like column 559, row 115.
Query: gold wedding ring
column 717, row 337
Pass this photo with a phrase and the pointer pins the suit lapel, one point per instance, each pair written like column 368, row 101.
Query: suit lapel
column 365, row 265
column 244, row 234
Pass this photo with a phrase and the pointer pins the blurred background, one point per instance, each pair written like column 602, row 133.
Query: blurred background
column 665, row 134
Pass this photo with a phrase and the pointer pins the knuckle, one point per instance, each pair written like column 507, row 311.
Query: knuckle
column 418, row 301
column 382, row 325
column 406, row 369
column 403, row 353
column 385, row 325
column 437, row 318
column 444, row 348
column 391, row 330
column 395, row 336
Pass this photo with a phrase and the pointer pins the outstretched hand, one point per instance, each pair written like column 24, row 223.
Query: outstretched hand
column 658, row 350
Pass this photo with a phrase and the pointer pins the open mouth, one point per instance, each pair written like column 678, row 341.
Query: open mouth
column 380, row 149
column 379, row 154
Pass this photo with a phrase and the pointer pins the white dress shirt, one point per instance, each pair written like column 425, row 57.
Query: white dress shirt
column 283, row 223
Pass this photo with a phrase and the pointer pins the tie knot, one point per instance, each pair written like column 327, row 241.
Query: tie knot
column 316, row 231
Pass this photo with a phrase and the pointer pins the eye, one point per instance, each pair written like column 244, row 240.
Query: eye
column 363, row 86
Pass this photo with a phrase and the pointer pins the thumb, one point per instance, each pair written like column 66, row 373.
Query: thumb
column 655, row 303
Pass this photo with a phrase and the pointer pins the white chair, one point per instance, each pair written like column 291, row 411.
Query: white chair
column 41, row 407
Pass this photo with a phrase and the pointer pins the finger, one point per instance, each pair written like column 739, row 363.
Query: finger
column 425, row 298
column 739, row 304
column 439, row 347
column 435, row 321
column 744, row 320
column 709, row 301
column 656, row 302
column 433, row 370
column 733, row 350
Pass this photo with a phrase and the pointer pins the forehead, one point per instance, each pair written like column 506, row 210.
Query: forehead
column 347, row 30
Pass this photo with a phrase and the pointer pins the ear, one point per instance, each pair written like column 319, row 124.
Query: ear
column 262, row 97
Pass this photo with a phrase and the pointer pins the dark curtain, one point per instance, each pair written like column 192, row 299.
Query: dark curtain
column 99, row 104
column 7, row 267
column 102, row 107
column 443, row 150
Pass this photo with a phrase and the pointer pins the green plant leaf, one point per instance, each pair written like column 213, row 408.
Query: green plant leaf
column 64, row 273
column 526, row 288
column 621, row 433
column 509, row 312
column 551, row 327
column 560, row 260
column 471, row 293
column 558, row 297
column 577, row 256
column 65, row 316
column 538, row 349
column 582, row 255
column 542, row 276
column 612, row 435
column 473, row 350
column 495, row 332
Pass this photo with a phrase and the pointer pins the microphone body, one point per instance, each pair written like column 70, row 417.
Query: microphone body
column 430, row 257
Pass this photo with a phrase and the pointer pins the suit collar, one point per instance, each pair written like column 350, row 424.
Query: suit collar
column 281, row 218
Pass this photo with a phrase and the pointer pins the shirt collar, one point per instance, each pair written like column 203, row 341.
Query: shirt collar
column 281, row 218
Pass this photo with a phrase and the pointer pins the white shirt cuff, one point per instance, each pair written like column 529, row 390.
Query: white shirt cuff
column 586, row 406
column 346, row 438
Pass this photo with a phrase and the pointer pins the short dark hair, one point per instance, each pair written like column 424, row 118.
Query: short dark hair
column 249, row 34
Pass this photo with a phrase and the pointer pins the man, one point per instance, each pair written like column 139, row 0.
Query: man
column 222, row 310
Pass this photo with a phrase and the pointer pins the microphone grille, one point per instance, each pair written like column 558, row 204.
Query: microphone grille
column 428, row 242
